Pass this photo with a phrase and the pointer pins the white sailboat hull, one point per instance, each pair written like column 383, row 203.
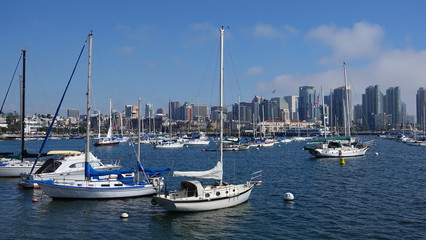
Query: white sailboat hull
column 168, row 145
column 197, row 142
column 202, row 203
column 97, row 191
column 340, row 152
column 14, row 168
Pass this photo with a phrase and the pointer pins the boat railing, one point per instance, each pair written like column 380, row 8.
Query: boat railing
column 369, row 143
column 257, row 177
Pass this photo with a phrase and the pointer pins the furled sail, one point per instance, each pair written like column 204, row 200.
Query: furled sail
column 214, row 173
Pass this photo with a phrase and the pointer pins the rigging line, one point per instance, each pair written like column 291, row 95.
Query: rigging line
column 57, row 110
column 235, row 71
column 205, row 71
column 10, row 84
column 213, row 82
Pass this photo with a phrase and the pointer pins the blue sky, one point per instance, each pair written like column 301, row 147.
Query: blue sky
column 161, row 50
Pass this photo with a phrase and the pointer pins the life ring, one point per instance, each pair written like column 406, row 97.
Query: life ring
column 156, row 182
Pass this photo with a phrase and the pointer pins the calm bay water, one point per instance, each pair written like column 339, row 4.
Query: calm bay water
column 377, row 196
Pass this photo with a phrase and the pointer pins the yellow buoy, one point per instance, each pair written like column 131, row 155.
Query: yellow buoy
column 342, row 161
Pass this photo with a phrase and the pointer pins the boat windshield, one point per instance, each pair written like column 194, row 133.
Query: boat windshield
column 49, row 166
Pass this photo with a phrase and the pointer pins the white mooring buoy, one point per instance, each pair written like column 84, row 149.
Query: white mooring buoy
column 124, row 215
column 377, row 153
column 288, row 197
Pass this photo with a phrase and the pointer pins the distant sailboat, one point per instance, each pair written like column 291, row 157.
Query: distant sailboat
column 108, row 140
column 193, row 195
column 339, row 146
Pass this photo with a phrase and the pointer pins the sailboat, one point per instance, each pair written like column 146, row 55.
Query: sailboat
column 108, row 140
column 193, row 195
column 344, row 146
column 114, row 184
column 13, row 166
column 122, row 138
column 162, row 144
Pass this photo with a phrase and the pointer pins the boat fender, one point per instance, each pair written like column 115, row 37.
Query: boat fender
column 156, row 182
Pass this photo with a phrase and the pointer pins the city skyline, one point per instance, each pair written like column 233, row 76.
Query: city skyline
column 168, row 50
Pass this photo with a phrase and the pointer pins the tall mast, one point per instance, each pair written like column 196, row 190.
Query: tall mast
column 221, row 97
column 170, row 119
column 139, row 137
column 88, row 108
column 323, row 115
column 346, row 117
column 239, row 121
column 110, row 116
column 23, row 106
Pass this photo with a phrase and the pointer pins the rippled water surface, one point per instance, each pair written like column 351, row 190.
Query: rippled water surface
column 380, row 196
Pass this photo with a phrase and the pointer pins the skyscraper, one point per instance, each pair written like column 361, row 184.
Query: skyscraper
column 131, row 111
column 149, row 110
column 307, row 99
column 338, row 113
column 293, row 105
column 371, row 105
column 174, row 110
column 421, row 106
column 392, row 104
column 74, row 113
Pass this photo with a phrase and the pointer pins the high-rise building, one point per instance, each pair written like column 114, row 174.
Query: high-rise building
column 74, row 113
column 371, row 105
column 256, row 110
column 278, row 105
column 392, row 104
column 199, row 111
column 293, row 106
column 338, row 113
column 149, row 110
column 131, row 111
column 421, row 106
column 307, row 100
column 161, row 111
column 186, row 111
column 174, row 110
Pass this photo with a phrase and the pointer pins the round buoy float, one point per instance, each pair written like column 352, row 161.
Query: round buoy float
column 35, row 200
column 288, row 197
column 124, row 215
column 342, row 161
column 377, row 153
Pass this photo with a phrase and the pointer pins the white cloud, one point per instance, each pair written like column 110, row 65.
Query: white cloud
column 255, row 70
column 266, row 30
column 271, row 32
column 127, row 50
column 359, row 42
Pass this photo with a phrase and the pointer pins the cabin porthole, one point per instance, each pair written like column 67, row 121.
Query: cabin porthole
column 207, row 195
column 217, row 193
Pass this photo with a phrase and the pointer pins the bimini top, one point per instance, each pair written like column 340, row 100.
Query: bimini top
column 64, row 152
